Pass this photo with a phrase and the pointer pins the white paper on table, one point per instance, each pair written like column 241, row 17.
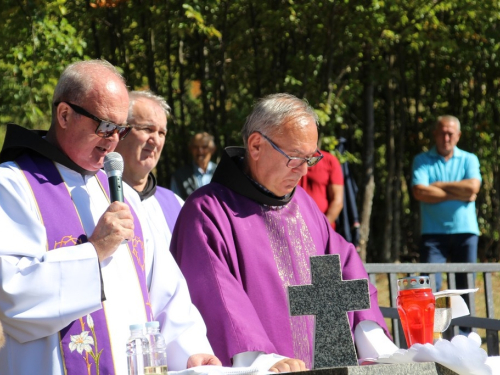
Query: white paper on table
column 458, row 306
column 217, row 370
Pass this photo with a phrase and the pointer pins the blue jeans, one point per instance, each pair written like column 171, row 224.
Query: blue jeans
column 457, row 248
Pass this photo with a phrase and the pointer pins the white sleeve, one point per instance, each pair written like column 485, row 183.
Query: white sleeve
column 182, row 325
column 180, row 321
column 371, row 340
column 41, row 292
column 263, row 362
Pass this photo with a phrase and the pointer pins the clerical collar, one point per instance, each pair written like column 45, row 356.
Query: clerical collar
column 230, row 173
column 19, row 140
column 150, row 188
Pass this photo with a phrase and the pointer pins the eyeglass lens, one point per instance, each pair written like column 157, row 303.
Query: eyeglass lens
column 295, row 163
column 107, row 129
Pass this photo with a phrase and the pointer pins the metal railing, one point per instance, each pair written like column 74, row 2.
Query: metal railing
column 393, row 271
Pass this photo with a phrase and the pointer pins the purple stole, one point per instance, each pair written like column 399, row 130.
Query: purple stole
column 85, row 343
column 169, row 205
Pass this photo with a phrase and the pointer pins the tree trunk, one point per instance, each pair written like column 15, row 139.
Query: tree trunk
column 256, row 49
column 390, row 156
column 368, row 166
column 168, row 57
column 148, row 37
column 180, row 67
column 220, row 116
column 400, row 237
column 95, row 34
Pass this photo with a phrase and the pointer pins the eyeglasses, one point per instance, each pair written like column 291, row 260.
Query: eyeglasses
column 295, row 162
column 105, row 129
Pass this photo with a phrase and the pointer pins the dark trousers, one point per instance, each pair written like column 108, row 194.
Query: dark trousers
column 457, row 248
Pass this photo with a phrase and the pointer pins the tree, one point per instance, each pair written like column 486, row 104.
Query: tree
column 377, row 73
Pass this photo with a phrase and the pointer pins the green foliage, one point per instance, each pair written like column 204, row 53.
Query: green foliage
column 212, row 59
column 41, row 43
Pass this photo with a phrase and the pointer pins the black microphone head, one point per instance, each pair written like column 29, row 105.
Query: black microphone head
column 113, row 164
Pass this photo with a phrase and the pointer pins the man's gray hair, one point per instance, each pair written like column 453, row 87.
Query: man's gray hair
column 75, row 82
column 440, row 119
column 273, row 111
column 133, row 96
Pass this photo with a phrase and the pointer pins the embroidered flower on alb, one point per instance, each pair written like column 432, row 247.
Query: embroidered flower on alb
column 81, row 342
column 90, row 321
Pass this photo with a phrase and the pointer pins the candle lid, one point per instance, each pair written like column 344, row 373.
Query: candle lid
column 414, row 282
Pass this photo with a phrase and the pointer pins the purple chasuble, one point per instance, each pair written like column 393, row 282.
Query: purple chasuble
column 238, row 256
column 63, row 226
column 169, row 205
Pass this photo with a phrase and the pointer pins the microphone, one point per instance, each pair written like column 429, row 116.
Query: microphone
column 113, row 166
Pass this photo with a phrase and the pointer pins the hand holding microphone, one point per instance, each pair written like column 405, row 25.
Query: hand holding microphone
column 116, row 225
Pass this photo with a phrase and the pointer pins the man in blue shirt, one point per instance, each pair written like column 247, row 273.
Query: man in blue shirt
column 198, row 173
column 446, row 181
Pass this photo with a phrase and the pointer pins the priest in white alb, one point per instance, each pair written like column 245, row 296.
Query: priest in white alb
column 75, row 269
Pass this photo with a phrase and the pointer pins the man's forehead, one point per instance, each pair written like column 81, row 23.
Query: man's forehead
column 149, row 111
column 299, row 142
column 448, row 126
column 296, row 128
column 200, row 141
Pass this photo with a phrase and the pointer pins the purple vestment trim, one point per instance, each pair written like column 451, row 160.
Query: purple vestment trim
column 85, row 343
column 169, row 205
column 136, row 248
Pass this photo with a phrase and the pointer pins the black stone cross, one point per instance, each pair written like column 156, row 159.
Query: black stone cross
column 330, row 298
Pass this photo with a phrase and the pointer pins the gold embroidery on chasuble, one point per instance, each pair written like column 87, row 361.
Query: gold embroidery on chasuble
column 136, row 244
column 292, row 245
column 66, row 241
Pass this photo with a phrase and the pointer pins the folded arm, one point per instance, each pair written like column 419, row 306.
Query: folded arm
column 464, row 188
column 430, row 194
column 465, row 191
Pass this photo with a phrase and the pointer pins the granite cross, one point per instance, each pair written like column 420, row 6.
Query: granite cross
column 330, row 298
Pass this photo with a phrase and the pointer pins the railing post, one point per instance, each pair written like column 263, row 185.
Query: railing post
column 492, row 342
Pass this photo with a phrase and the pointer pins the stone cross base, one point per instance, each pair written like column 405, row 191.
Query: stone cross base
column 422, row 368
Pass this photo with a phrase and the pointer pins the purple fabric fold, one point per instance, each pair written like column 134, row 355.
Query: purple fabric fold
column 169, row 205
